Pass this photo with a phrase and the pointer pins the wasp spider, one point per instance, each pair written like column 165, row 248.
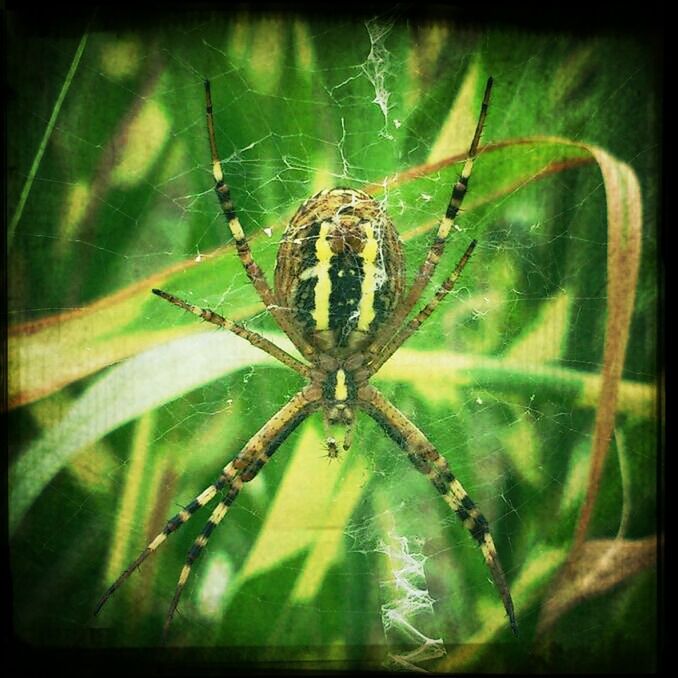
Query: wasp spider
column 339, row 296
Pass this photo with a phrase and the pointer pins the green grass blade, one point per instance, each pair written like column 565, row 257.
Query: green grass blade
column 28, row 184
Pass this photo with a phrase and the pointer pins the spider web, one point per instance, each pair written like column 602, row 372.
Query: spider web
column 137, row 409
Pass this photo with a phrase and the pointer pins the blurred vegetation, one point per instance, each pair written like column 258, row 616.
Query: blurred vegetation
column 123, row 408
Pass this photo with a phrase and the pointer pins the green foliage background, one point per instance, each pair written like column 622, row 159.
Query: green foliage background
column 123, row 409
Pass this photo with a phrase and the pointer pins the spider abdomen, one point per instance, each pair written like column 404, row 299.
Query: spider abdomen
column 340, row 269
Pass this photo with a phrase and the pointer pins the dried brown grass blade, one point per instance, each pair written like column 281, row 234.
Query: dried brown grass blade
column 624, row 226
column 599, row 565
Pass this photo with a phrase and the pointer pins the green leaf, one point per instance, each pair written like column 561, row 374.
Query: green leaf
column 148, row 381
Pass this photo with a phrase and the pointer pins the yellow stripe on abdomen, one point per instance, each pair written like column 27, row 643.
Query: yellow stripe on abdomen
column 323, row 287
column 369, row 253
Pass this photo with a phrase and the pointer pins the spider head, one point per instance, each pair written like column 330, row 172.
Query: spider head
column 339, row 414
column 339, row 420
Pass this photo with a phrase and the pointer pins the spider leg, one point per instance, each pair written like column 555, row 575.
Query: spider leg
column 265, row 441
column 173, row 524
column 199, row 544
column 258, row 450
column 407, row 330
column 254, row 338
column 437, row 247
column 254, row 272
column 426, row 458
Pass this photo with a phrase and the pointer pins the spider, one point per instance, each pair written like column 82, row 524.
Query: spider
column 339, row 296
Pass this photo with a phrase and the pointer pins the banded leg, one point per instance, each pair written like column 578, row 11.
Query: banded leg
column 200, row 543
column 265, row 441
column 254, row 338
column 406, row 331
column 173, row 524
column 254, row 272
column 426, row 458
column 437, row 247
column 244, row 476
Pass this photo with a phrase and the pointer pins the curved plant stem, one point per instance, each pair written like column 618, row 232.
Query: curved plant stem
column 45, row 139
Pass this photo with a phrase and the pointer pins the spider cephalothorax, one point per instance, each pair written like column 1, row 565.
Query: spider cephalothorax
column 340, row 297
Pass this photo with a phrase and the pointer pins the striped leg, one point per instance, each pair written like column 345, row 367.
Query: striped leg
column 428, row 461
column 445, row 227
column 253, row 337
column 200, row 543
column 254, row 272
column 406, row 331
column 245, row 467
column 249, row 473
column 172, row 525
column 263, row 443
